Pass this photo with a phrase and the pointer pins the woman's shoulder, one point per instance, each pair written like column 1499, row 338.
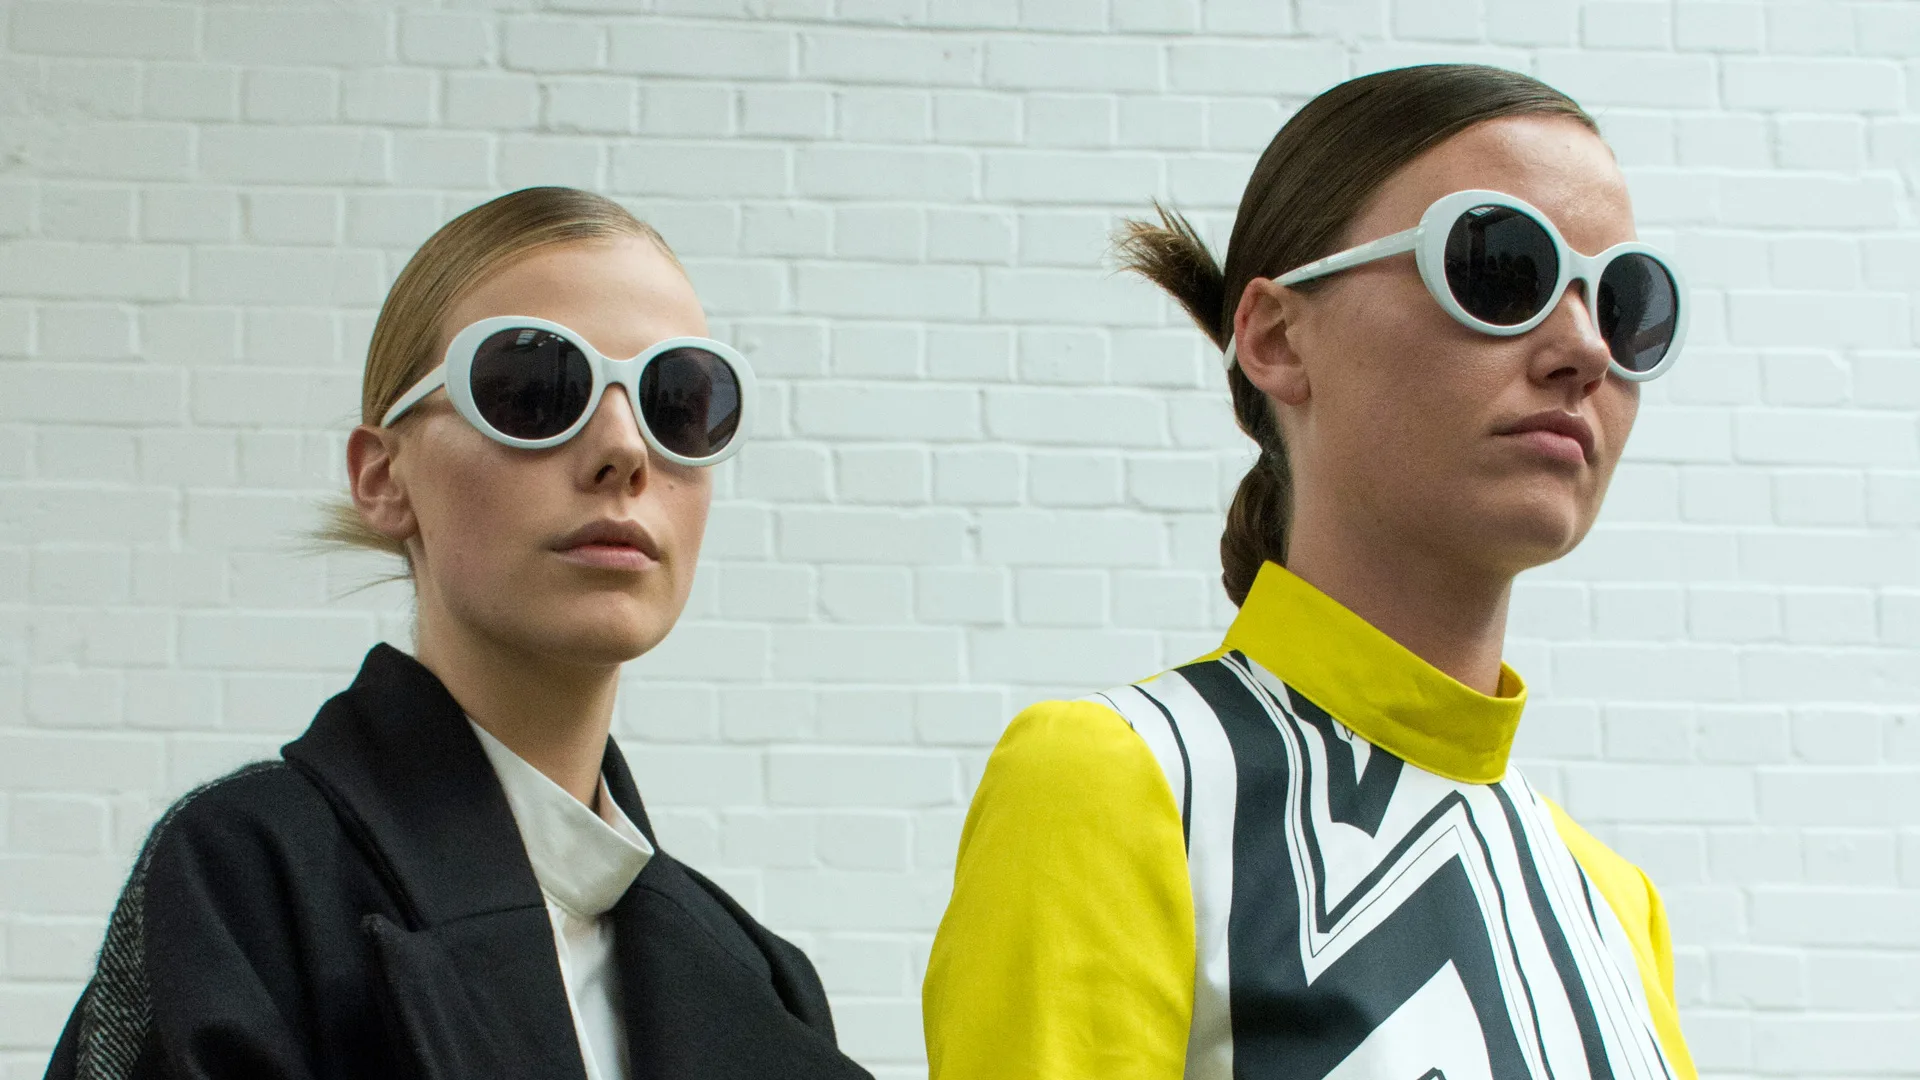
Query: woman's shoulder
column 1074, row 767
column 266, row 808
column 1628, row 889
column 1064, row 739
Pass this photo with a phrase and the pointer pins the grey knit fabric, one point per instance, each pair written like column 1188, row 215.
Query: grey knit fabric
column 117, row 1009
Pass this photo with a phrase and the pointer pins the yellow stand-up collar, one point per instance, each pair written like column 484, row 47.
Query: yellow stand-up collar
column 1373, row 684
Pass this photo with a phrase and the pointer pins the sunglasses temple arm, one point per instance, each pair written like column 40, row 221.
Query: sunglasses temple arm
column 435, row 380
column 1396, row 244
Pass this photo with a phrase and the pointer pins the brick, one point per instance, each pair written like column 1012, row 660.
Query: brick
column 1603, row 79
column 1075, row 417
column 552, row 45
column 1056, row 597
column 1056, row 478
column 657, row 48
column 528, row 160
column 344, row 36
column 1273, row 67
column 660, row 168
column 836, row 535
column 1062, row 63
column 892, row 58
column 887, row 476
column 1078, row 657
column 686, row 110
column 1830, row 438
column 152, row 31
column 869, row 778
column 1071, row 177
column 443, row 160
column 783, row 110
column 93, row 393
column 1819, row 320
column 389, row 96
column 294, row 155
column 597, row 106
column 287, row 275
column 1071, row 538
column 492, row 101
column 906, row 655
column 961, row 595
column 446, row 38
column 891, row 292
column 1811, row 85
column 1720, row 27
column 700, row 776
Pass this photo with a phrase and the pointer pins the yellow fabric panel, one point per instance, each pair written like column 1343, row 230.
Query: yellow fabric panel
column 1067, row 950
column 1634, row 900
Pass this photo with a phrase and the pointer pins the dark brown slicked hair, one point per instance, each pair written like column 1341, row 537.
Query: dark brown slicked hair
column 1313, row 179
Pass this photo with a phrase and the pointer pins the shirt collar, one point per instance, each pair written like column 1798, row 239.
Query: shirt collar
column 1373, row 684
column 583, row 861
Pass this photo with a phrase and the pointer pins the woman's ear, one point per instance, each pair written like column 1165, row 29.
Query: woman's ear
column 378, row 492
column 1265, row 351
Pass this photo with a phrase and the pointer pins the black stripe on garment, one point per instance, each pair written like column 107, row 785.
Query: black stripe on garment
column 1361, row 803
column 1186, row 770
column 1282, row 1026
column 1598, row 1067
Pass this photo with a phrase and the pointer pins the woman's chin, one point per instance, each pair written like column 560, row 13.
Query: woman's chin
column 1535, row 535
column 594, row 637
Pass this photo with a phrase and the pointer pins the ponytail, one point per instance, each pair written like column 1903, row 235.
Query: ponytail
column 1172, row 255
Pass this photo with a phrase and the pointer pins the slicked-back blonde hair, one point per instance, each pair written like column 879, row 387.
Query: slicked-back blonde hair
column 453, row 261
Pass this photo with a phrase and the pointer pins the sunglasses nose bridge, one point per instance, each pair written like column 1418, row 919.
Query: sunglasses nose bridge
column 626, row 373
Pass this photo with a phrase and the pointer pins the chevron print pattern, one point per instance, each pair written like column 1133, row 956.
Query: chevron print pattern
column 1360, row 917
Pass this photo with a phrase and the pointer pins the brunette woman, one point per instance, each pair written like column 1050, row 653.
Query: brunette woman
column 451, row 873
column 1305, row 854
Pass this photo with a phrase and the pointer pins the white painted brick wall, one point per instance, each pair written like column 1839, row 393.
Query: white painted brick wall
column 988, row 470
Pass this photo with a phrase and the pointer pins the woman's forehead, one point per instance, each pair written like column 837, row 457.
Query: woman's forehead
column 1554, row 162
column 622, row 294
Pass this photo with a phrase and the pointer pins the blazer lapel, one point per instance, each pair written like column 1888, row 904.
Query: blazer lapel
column 702, row 996
column 471, row 981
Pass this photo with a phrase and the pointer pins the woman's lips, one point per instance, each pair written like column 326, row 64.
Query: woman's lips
column 609, row 557
column 1562, row 436
column 610, row 544
column 1552, row 444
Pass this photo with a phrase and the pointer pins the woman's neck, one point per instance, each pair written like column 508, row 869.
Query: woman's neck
column 1451, row 615
column 554, row 715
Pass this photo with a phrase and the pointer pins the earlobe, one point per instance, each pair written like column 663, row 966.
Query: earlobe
column 378, row 493
column 1264, row 333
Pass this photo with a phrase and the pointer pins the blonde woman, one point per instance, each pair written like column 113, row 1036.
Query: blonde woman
column 1304, row 855
column 451, row 874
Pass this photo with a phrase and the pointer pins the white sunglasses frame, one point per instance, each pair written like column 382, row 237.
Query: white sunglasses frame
column 456, row 370
column 1428, row 242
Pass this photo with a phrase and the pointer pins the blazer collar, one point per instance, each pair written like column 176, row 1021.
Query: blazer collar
column 395, row 754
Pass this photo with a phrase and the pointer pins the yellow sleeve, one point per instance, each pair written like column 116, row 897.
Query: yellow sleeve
column 1067, row 951
column 1634, row 900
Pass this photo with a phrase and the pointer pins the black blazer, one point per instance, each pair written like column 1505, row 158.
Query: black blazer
column 365, row 908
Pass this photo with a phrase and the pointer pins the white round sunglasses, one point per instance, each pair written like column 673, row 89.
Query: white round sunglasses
column 532, row 383
column 1496, row 264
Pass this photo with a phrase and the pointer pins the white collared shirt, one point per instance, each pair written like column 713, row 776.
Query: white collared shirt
column 584, row 863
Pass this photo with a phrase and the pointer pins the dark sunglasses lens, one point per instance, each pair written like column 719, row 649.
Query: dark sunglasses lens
column 691, row 400
column 1638, row 308
column 530, row 384
column 1501, row 265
